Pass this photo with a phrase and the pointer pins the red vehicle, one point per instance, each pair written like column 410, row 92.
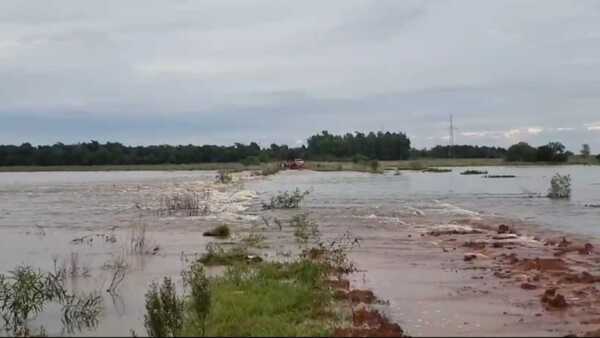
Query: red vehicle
column 294, row 164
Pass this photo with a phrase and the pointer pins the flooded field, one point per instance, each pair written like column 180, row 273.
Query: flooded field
column 48, row 218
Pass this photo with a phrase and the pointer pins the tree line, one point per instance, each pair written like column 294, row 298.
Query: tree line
column 322, row 146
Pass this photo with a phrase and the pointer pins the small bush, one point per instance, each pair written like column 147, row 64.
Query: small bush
column 221, row 231
column 304, row 228
column 286, row 200
column 437, row 170
column 199, row 299
column 224, row 177
column 474, row 172
column 560, row 186
column 164, row 310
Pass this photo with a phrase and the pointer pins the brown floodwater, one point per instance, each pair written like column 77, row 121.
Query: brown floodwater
column 41, row 214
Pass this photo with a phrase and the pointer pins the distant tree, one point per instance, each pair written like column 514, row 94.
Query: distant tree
column 552, row 152
column 521, row 151
column 585, row 150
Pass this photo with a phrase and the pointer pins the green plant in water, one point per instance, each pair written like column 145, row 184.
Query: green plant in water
column 286, row 200
column 164, row 310
column 304, row 228
column 25, row 293
column 216, row 255
column 224, row 177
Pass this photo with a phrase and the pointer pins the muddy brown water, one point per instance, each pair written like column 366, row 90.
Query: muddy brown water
column 41, row 213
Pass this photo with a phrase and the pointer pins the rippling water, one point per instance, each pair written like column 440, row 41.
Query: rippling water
column 40, row 213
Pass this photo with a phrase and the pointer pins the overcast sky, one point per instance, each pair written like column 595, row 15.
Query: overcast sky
column 178, row 72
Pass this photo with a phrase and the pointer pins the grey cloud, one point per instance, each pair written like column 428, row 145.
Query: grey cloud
column 223, row 71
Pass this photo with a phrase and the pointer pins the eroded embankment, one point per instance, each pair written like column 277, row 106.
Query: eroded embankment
column 552, row 276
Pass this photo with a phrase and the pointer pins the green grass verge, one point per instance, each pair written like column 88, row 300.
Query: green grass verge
column 269, row 299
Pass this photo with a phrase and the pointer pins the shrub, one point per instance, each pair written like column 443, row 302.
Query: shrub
column 560, row 186
column 199, row 299
column 286, row 200
column 224, row 177
column 221, row 231
column 164, row 310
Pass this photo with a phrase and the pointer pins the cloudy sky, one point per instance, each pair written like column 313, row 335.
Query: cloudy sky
column 220, row 71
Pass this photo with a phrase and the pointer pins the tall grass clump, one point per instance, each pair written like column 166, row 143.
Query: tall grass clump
column 286, row 200
column 187, row 203
column 560, row 186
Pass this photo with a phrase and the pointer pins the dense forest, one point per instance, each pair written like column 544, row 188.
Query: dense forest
column 322, row 146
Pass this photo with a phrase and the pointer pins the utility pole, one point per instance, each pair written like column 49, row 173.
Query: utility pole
column 451, row 139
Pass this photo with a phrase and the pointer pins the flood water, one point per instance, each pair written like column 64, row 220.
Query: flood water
column 41, row 213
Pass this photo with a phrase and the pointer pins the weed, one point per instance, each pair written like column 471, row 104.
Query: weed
column 118, row 267
column 216, row 255
column 436, row 170
column 254, row 240
column 474, row 172
column 286, row 200
column 221, row 231
column 304, row 228
column 25, row 293
column 186, row 203
column 224, row 177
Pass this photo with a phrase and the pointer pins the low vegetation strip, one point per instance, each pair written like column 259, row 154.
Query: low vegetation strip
column 270, row 299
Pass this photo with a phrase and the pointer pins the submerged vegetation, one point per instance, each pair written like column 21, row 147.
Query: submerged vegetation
column 474, row 172
column 26, row 292
column 436, row 170
column 187, row 203
column 286, row 200
column 221, row 231
column 560, row 186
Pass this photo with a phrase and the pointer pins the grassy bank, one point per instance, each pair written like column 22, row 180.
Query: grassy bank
column 268, row 299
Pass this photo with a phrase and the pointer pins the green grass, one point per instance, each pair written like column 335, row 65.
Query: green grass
column 269, row 299
column 216, row 255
